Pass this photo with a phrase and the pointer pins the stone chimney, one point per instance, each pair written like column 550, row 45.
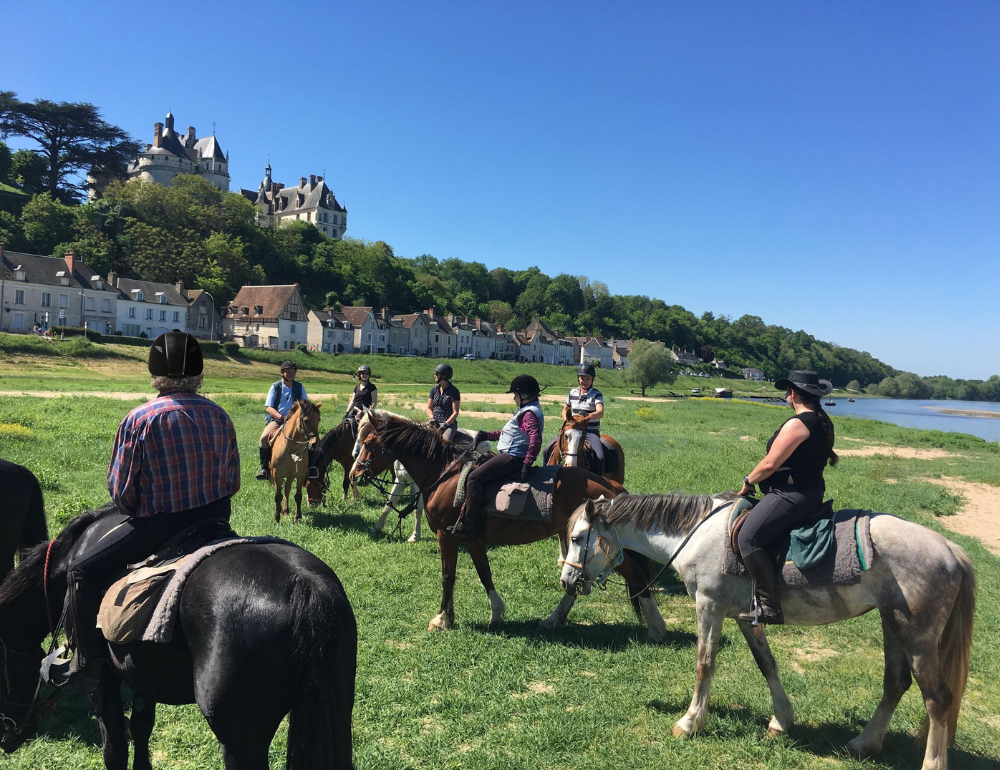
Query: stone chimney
column 180, row 287
column 302, row 181
column 189, row 140
column 70, row 261
column 312, row 181
column 112, row 279
column 431, row 311
column 319, row 178
column 157, row 134
column 386, row 314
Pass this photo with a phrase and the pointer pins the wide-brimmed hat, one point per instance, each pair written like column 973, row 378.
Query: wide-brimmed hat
column 803, row 379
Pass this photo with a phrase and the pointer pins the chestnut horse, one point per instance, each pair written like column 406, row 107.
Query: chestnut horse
column 290, row 455
column 337, row 445
column 23, row 522
column 571, row 449
column 435, row 466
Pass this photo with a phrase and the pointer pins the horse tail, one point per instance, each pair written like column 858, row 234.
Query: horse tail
column 34, row 530
column 325, row 654
column 954, row 649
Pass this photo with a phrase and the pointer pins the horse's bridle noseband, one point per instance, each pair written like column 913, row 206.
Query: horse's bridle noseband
column 603, row 545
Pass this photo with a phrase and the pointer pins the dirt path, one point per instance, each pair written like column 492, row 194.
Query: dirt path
column 980, row 516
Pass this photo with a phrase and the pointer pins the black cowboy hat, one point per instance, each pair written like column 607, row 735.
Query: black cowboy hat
column 805, row 380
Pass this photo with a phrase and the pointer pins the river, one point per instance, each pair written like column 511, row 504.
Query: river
column 924, row 414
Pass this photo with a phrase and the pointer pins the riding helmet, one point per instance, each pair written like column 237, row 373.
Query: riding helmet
column 289, row 365
column 587, row 369
column 175, row 354
column 524, row 384
column 364, row 368
column 444, row 370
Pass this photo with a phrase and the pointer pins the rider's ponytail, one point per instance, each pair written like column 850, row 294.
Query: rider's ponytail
column 825, row 421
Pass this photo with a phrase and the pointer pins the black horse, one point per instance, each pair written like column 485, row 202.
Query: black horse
column 264, row 630
column 22, row 521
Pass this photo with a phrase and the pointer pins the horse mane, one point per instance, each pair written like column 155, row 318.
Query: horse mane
column 303, row 406
column 401, row 433
column 29, row 572
column 672, row 513
column 333, row 436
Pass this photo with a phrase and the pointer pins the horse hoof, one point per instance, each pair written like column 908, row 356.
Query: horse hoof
column 775, row 732
column 680, row 732
column 413, row 539
column 440, row 623
column 856, row 748
column 374, row 533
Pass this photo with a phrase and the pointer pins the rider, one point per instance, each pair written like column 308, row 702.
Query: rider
column 365, row 393
column 518, row 444
column 278, row 403
column 174, row 463
column 443, row 402
column 791, row 475
column 589, row 401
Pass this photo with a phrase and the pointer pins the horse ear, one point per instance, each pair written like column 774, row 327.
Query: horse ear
column 590, row 509
column 318, row 405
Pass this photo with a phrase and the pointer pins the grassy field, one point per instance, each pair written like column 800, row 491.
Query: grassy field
column 594, row 695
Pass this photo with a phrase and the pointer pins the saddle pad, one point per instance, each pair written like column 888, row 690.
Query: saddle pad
column 537, row 506
column 130, row 602
column 610, row 457
column 160, row 627
column 841, row 565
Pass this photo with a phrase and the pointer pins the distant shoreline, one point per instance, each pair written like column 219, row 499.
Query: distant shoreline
column 967, row 412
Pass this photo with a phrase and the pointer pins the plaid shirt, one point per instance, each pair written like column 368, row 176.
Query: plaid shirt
column 174, row 453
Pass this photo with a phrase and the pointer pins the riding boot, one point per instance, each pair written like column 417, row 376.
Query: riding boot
column 766, row 607
column 469, row 520
column 87, row 664
column 313, row 467
column 265, row 464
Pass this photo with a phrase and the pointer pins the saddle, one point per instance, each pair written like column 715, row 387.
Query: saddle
column 130, row 601
column 783, row 546
column 529, row 500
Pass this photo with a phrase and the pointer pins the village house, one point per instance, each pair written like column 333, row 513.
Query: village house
column 329, row 331
column 47, row 291
column 442, row 340
column 203, row 316
column 398, row 333
column 370, row 333
column 619, row 353
column 683, row 357
column 750, row 373
column 418, row 332
column 148, row 309
column 267, row 317
column 594, row 350
column 311, row 201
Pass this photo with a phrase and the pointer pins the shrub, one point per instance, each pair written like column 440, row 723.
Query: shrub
column 231, row 348
column 302, row 348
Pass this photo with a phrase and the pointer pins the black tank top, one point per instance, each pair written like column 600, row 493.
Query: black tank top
column 363, row 394
column 805, row 466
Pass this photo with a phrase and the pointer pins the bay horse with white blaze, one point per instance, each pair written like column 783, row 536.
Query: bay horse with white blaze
column 290, row 455
column 23, row 522
column 572, row 450
column 435, row 466
column 922, row 585
column 264, row 630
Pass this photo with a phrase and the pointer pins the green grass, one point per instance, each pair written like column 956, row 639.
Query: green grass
column 593, row 695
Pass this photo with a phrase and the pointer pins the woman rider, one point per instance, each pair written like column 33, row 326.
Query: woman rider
column 589, row 401
column 791, row 475
column 443, row 402
column 518, row 444
column 365, row 393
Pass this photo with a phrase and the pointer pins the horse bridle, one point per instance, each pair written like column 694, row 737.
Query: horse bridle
column 603, row 545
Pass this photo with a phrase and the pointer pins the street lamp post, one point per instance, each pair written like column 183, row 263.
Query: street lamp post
column 212, row 322
column 83, row 320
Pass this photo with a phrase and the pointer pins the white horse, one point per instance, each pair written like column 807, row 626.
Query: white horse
column 922, row 585
column 403, row 484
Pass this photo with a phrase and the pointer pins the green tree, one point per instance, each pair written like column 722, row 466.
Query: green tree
column 854, row 386
column 46, row 222
column 6, row 158
column 72, row 138
column 648, row 365
column 500, row 312
column 27, row 171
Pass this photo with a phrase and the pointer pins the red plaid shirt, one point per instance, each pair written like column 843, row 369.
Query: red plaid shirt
column 174, row 453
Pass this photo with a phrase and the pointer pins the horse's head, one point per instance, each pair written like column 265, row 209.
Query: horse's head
column 307, row 417
column 572, row 440
column 367, row 448
column 592, row 552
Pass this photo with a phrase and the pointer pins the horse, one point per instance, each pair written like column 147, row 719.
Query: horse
column 571, row 449
column 290, row 455
column 336, row 445
column 264, row 630
column 922, row 585
column 23, row 522
column 403, row 484
column 435, row 466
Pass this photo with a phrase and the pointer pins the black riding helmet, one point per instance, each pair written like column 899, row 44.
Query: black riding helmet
column 524, row 384
column 444, row 370
column 289, row 365
column 175, row 354
column 364, row 368
column 587, row 369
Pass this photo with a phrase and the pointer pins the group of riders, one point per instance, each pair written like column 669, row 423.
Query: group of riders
column 175, row 462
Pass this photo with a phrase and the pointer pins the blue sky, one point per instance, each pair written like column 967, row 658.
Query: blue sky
column 833, row 167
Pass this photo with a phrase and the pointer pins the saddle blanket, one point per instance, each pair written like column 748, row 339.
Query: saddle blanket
column 144, row 604
column 529, row 500
column 841, row 565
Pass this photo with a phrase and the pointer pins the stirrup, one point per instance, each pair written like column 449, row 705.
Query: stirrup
column 55, row 667
column 313, row 472
column 263, row 474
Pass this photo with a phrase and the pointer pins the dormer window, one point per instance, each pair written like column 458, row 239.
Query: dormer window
column 245, row 310
column 97, row 281
column 258, row 310
column 233, row 309
column 63, row 278
column 19, row 273
column 137, row 295
column 161, row 297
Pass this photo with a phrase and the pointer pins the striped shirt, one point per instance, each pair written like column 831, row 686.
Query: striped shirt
column 586, row 404
column 173, row 453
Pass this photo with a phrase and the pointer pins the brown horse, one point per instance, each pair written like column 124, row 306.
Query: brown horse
column 290, row 455
column 337, row 445
column 571, row 449
column 435, row 467
column 23, row 522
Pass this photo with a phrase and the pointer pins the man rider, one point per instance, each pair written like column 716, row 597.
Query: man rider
column 174, row 462
column 278, row 403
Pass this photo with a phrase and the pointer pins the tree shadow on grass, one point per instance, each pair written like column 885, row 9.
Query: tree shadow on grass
column 595, row 636
column 72, row 721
